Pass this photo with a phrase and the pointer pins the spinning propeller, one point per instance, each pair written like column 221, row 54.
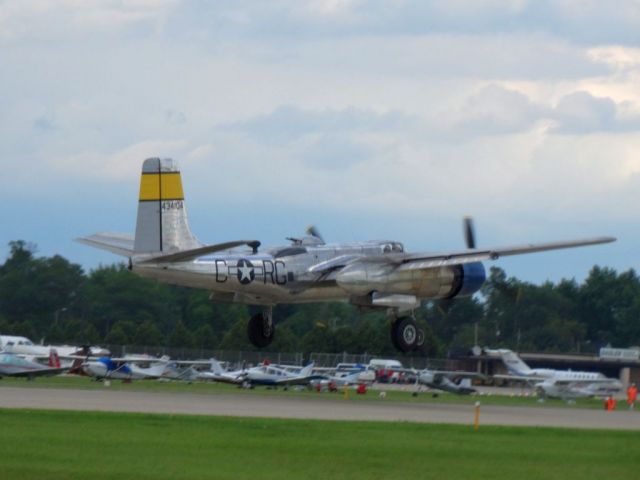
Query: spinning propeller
column 469, row 233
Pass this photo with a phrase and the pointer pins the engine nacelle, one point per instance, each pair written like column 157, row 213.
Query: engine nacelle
column 469, row 279
column 364, row 278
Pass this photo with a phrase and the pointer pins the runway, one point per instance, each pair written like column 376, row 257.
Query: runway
column 256, row 405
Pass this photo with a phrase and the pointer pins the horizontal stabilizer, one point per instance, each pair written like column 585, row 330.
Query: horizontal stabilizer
column 187, row 255
column 118, row 243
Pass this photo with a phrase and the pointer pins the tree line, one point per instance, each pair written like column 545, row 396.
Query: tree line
column 54, row 300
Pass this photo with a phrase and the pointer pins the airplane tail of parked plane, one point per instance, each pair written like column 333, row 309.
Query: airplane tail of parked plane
column 307, row 371
column 162, row 225
column 465, row 383
column 54, row 359
column 512, row 361
column 216, row 367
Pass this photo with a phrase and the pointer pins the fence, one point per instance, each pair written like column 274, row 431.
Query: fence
column 236, row 357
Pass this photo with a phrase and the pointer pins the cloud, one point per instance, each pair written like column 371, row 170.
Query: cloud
column 290, row 122
column 46, row 20
column 581, row 112
column 497, row 110
column 582, row 21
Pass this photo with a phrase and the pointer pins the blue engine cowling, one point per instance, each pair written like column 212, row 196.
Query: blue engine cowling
column 469, row 278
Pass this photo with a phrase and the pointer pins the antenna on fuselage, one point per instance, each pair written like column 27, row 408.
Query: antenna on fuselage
column 254, row 246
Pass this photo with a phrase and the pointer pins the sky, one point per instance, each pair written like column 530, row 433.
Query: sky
column 372, row 119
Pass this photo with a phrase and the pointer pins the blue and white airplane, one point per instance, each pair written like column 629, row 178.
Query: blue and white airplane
column 125, row 368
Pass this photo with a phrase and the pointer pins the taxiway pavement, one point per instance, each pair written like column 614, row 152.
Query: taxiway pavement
column 256, row 405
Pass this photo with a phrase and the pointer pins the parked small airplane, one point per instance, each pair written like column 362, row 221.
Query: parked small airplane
column 564, row 384
column 453, row 382
column 13, row 365
column 126, row 368
column 218, row 374
column 334, row 382
column 25, row 347
column 370, row 275
column 278, row 375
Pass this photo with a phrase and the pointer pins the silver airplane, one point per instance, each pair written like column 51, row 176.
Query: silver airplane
column 370, row 274
column 452, row 382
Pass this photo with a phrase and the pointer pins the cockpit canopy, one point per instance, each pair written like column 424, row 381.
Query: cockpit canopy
column 392, row 247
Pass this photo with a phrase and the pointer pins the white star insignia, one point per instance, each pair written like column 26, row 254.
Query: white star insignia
column 245, row 272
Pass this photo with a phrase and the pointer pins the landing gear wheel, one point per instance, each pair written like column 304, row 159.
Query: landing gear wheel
column 421, row 338
column 260, row 331
column 404, row 334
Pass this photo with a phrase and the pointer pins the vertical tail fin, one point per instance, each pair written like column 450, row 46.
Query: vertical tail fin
column 54, row 359
column 465, row 383
column 306, row 371
column 514, row 363
column 162, row 224
column 216, row 367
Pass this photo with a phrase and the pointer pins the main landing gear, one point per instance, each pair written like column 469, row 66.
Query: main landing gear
column 406, row 336
column 261, row 329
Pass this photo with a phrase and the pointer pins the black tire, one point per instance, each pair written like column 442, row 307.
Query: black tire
column 421, row 338
column 256, row 332
column 405, row 334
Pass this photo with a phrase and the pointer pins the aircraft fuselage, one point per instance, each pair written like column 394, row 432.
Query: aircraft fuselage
column 286, row 275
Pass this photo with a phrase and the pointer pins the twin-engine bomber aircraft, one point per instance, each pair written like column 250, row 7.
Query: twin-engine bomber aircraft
column 371, row 274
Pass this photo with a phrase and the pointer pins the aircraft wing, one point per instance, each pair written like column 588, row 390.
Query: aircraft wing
column 221, row 378
column 454, row 374
column 522, row 378
column 584, row 381
column 429, row 260
column 44, row 372
column 299, row 380
column 444, row 373
column 118, row 243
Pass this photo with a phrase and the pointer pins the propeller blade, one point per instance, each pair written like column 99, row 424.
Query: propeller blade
column 313, row 231
column 469, row 233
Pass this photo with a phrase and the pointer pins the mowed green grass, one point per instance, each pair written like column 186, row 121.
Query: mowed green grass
column 69, row 445
column 211, row 388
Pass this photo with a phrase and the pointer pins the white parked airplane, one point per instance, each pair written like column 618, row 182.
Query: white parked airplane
column 564, row 384
column 26, row 348
column 218, row 374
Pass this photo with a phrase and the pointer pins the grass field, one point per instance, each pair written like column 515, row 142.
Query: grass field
column 221, row 389
column 68, row 445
